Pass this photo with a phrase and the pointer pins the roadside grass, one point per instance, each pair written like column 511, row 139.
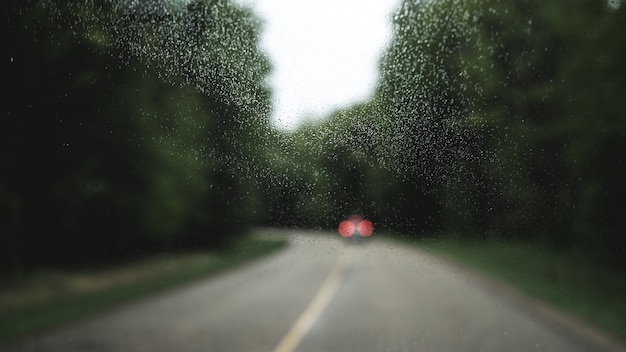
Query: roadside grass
column 565, row 280
column 47, row 299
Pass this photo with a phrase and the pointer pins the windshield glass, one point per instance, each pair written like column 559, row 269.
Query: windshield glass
column 313, row 176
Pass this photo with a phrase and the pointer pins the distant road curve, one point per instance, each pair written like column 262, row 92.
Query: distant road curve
column 323, row 294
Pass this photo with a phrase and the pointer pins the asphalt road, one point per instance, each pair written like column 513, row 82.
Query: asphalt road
column 322, row 294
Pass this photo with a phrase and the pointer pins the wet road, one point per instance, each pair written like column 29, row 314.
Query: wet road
column 320, row 294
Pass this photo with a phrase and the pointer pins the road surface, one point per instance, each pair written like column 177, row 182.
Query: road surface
column 322, row 294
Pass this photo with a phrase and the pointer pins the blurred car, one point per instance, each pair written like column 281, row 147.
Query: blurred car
column 355, row 227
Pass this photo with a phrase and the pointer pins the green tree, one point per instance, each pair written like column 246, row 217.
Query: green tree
column 111, row 154
column 507, row 112
column 544, row 95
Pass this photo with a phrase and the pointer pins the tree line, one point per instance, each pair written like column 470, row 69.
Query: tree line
column 491, row 119
column 130, row 128
column 126, row 130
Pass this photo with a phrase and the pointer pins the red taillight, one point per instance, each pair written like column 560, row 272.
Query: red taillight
column 346, row 228
column 365, row 228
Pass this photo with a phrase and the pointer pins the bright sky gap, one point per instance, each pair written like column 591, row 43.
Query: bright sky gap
column 325, row 53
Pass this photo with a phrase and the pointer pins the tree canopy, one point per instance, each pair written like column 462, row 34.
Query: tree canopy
column 126, row 129
column 144, row 126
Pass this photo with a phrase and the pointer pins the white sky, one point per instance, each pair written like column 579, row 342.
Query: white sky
column 325, row 53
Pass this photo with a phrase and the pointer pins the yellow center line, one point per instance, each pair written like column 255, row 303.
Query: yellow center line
column 306, row 320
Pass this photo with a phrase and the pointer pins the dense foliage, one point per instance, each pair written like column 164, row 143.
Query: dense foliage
column 127, row 129
column 144, row 126
column 491, row 118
